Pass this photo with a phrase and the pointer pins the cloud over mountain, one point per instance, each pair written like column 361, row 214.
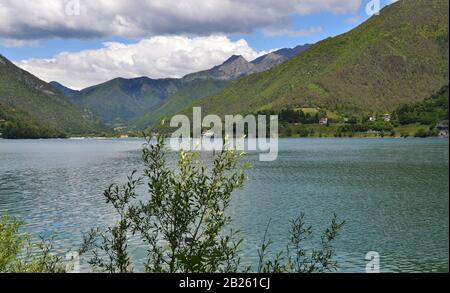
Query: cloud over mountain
column 157, row 57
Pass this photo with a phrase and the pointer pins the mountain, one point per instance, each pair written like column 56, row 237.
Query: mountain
column 289, row 53
column 140, row 102
column 21, row 91
column 65, row 91
column 191, row 92
column 400, row 56
column 237, row 66
column 119, row 100
column 270, row 60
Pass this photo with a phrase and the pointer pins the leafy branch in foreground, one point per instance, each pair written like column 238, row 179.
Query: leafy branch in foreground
column 113, row 242
column 183, row 221
column 296, row 259
column 19, row 255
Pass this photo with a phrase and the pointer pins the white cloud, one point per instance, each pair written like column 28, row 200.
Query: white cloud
column 156, row 57
column 43, row 19
column 273, row 31
column 13, row 43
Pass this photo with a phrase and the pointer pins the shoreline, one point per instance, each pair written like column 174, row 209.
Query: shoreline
column 286, row 137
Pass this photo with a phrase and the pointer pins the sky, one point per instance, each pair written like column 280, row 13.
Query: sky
column 80, row 43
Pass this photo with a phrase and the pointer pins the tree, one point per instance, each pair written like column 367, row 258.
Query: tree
column 183, row 221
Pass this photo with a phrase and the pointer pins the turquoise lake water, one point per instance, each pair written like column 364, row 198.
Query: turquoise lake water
column 393, row 194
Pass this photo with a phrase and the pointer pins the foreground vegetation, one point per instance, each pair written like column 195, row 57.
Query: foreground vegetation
column 19, row 255
column 182, row 222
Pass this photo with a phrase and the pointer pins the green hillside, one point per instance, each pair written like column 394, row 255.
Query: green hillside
column 15, row 124
column 120, row 100
column 396, row 58
column 431, row 111
column 191, row 92
column 24, row 92
column 138, row 103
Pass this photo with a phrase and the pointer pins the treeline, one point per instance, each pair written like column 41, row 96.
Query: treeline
column 380, row 126
column 16, row 124
column 296, row 116
column 428, row 112
column 423, row 117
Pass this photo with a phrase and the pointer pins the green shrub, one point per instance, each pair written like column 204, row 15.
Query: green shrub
column 184, row 225
column 422, row 133
column 18, row 254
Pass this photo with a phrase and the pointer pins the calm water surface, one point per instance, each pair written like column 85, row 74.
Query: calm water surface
column 393, row 194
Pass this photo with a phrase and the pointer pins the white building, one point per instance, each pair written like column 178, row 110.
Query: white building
column 323, row 121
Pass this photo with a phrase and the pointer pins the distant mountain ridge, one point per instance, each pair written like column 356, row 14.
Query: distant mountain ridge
column 39, row 103
column 138, row 102
column 270, row 60
column 237, row 66
column 233, row 68
column 120, row 100
column 191, row 92
column 68, row 92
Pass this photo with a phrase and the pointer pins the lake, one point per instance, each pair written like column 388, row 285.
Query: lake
column 393, row 194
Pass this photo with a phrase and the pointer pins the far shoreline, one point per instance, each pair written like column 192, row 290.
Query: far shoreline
column 75, row 138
